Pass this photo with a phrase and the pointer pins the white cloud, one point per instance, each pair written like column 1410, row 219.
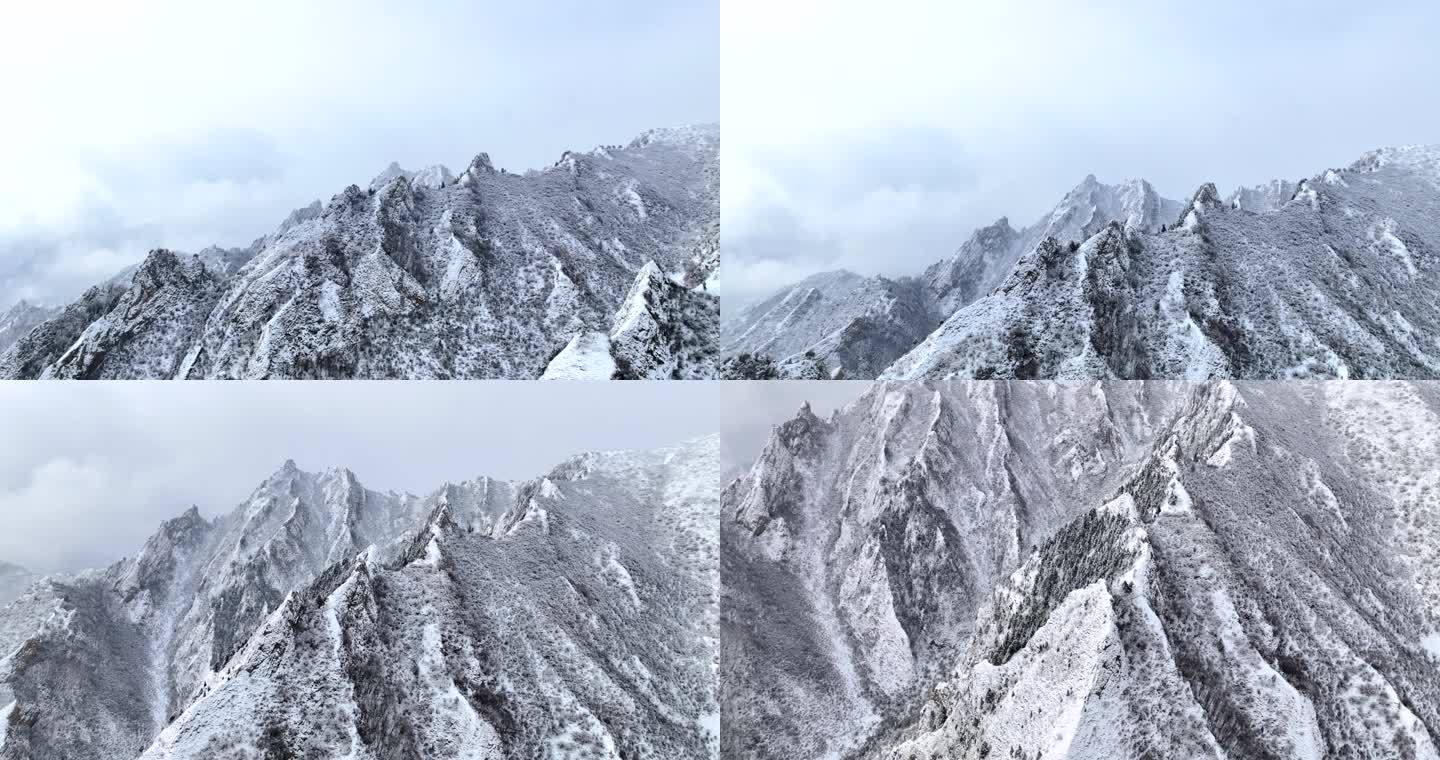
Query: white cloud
column 876, row 137
column 88, row 471
column 206, row 124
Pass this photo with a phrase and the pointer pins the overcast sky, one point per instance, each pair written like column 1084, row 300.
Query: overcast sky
column 750, row 409
column 877, row 136
column 88, row 471
column 152, row 123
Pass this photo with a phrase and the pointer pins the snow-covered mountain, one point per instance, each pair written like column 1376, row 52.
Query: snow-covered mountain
column 1105, row 570
column 424, row 274
column 20, row 320
column 573, row 615
column 860, row 325
column 857, row 324
column 1326, row 278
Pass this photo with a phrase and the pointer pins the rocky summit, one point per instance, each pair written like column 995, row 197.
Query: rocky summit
column 483, row 273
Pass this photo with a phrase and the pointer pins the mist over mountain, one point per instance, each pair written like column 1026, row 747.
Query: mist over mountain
column 572, row 615
column 425, row 274
column 1098, row 570
column 1313, row 279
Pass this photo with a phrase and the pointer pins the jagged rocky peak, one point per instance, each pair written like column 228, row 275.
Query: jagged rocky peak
column 391, row 173
column 481, row 164
column 995, row 234
column 1092, row 204
column 411, row 279
column 434, row 177
column 457, row 643
column 163, row 265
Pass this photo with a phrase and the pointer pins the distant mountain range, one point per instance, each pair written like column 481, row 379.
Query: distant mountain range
column 573, row 615
column 425, row 274
column 1097, row 570
column 1329, row 277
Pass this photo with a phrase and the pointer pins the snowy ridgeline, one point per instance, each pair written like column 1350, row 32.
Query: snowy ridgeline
column 1102, row 570
column 427, row 274
column 1324, row 278
column 574, row 615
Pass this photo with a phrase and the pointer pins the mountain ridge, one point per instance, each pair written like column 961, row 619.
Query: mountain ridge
column 231, row 611
column 1112, row 569
column 486, row 274
column 1283, row 280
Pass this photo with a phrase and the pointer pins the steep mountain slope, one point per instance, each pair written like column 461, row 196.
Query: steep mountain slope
column 1251, row 577
column 20, row 320
column 486, row 274
column 663, row 331
column 862, row 324
column 1329, row 283
column 321, row 619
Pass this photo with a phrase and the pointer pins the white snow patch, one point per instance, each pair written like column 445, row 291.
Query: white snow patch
column 549, row 490
column 473, row 737
column 709, row 724
column 636, row 202
column 1384, row 241
column 1265, row 685
column 634, row 307
column 1177, row 499
column 330, row 301
column 585, row 357
column 1194, row 354
column 5, row 722
column 1431, row 643
column 1239, row 432
column 1122, row 505
column 612, row 571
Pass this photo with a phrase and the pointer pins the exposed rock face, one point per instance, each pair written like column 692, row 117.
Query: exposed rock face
column 576, row 613
column 1108, row 570
column 424, row 275
column 665, row 331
